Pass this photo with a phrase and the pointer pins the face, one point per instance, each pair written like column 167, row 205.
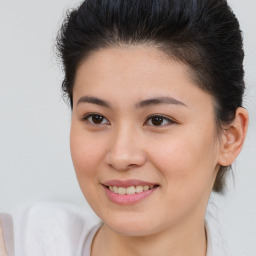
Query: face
column 143, row 140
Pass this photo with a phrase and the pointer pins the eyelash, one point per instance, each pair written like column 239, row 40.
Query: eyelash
column 87, row 116
column 164, row 118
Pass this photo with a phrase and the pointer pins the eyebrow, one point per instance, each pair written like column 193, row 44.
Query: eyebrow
column 141, row 104
column 158, row 101
column 94, row 100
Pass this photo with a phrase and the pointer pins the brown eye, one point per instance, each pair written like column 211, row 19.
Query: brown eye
column 158, row 120
column 95, row 119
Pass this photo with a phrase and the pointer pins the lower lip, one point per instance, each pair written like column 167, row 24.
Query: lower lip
column 128, row 199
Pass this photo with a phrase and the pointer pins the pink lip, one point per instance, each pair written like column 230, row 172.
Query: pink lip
column 127, row 183
column 127, row 199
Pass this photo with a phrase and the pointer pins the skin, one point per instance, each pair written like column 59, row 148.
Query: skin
column 182, row 154
column 3, row 251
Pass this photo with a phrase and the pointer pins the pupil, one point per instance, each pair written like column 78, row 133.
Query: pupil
column 157, row 120
column 97, row 119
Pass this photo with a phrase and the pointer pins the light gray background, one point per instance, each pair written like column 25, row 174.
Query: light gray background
column 35, row 163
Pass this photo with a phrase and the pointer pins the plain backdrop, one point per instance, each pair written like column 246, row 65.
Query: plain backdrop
column 35, row 163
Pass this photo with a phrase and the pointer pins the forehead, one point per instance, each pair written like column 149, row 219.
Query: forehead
column 130, row 62
column 136, row 73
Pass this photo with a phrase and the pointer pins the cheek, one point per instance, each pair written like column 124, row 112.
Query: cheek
column 86, row 152
column 187, row 161
column 187, row 167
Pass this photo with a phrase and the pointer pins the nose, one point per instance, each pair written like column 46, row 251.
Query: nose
column 125, row 150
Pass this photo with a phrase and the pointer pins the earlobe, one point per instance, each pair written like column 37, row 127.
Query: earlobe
column 233, row 137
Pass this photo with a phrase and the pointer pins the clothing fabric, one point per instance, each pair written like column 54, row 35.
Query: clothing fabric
column 50, row 229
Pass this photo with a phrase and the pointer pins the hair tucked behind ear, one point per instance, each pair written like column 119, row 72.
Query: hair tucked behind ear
column 203, row 34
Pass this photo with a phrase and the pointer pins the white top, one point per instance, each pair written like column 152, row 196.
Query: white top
column 50, row 229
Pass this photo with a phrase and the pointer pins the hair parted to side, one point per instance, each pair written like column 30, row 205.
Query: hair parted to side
column 204, row 34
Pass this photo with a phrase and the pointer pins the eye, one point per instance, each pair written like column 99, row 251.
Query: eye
column 95, row 119
column 159, row 120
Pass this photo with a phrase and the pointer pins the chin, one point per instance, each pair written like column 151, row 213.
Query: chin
column 130, row 231
column 131, row 226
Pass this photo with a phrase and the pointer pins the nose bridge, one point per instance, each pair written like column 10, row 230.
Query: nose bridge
column 125, row 148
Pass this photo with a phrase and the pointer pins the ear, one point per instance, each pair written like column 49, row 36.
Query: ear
column 233, row 137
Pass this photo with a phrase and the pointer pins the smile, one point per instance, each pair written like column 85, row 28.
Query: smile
column 130, row 190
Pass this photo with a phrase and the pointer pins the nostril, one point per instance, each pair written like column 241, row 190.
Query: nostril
column 123, row 162
column 124, row 153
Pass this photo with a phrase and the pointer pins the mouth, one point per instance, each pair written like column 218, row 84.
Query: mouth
column 131, row 190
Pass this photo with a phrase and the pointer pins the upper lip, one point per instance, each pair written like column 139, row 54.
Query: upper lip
column 127, row 183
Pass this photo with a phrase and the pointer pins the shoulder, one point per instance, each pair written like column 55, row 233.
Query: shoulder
column 215, row 245
column 52, row 229
column 217, row 242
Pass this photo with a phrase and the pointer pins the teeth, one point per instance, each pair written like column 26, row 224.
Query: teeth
column 139, row 189
column 130, row 190
column 122, row 191
column 146, row 187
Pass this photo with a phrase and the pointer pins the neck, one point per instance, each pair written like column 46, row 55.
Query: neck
column 175, row 241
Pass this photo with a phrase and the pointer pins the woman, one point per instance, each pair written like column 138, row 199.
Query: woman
column 155, row 89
